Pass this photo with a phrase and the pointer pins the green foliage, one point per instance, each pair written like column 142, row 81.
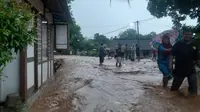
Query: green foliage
column 98, row 39
column 131, row 34
column 15, row 30
column 69, row 1
column 76, row 38
column 177, row 9
column 128, row 34
column 78, row 42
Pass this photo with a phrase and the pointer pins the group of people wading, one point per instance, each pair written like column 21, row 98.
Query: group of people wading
column 179, row 61
column 175, row 62
column 121, row 52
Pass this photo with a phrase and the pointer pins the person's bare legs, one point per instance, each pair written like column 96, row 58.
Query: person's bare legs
column 165, row 81
column 117, row 61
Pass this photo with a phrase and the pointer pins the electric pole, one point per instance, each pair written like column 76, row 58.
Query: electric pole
column 138, row 32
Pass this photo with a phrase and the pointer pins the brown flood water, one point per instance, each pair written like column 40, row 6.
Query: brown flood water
column 83, row 86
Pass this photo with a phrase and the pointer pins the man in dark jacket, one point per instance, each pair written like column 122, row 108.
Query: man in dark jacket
column 186, row 55
column 138, row 52
column 101, row 54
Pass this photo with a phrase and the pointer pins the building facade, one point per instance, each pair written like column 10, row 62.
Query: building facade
column 33, row 65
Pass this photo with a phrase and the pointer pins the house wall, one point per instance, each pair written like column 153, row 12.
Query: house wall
column 10, row 83
column 30, row 66
column 37, row 58
column 39, row 50
column 45, row 47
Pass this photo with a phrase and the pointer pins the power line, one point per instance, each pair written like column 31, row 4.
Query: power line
column 148, row 19
column 128, row 25
column 116, row 30
column 159, row 25
column 113, row 30
column 100, row 26
column 144, row 20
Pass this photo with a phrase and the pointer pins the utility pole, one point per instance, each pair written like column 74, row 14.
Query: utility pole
column 138, row 32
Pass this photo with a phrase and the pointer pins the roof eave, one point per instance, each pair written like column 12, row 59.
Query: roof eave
column 59, row 10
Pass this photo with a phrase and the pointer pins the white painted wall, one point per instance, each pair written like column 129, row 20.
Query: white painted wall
column 39, row 75
column 30, row 51
column 44, row 71
column 30, row 75
column 11, row 83
column 61, row 36
column 30, row 67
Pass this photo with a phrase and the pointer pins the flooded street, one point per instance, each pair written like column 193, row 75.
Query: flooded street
column 81, row 85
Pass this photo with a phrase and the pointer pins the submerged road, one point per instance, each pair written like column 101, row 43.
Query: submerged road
column 82, row 86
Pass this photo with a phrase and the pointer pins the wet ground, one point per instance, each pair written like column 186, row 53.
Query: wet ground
column 81, row 85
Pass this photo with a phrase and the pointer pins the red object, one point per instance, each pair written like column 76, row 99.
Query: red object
column 168, row 46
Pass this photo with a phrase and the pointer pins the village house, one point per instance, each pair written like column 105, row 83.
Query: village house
column 33, row 65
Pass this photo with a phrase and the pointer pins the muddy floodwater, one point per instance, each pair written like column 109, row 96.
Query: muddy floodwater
column 81, row 85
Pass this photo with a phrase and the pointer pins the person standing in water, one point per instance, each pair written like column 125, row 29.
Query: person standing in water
column 101, row 54
column 119, row 56
column 163, row 59
column 153, row 54
column 123, row 52
column 138, row 52
column 126, row 52
column 186, row 55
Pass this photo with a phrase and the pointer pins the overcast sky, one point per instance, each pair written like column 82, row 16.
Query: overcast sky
column 97, row 16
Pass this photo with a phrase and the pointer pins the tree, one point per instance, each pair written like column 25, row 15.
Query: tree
column 76, row 38
column 128, row 34
column 15, row 31
column 150, row 35
column 88, row 44
column 115, row 38
column 101, row 39
column 132, row 34
column 178, row 10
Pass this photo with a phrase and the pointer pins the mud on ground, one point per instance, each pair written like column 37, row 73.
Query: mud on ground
column 82, row 86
